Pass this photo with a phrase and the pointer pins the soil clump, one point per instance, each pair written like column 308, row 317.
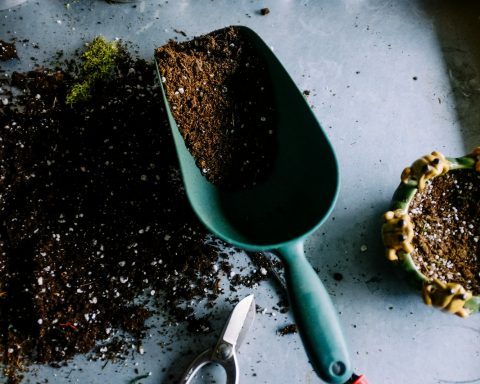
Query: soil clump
column 8, row 51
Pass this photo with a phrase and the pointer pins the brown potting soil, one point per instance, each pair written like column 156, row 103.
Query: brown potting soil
column 92, row 216
column 221, row 99
column 446, row 218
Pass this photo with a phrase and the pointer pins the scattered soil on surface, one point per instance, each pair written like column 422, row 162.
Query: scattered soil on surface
column 446, row 218
column 7, row 51
column 221, row 99
column 93, row 218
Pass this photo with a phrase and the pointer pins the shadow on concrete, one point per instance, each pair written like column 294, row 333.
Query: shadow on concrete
column 457, row 24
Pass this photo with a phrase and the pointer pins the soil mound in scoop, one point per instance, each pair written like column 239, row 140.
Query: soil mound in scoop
column 221, row 98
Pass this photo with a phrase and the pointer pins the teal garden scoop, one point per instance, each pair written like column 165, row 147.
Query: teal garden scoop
column 281, row 212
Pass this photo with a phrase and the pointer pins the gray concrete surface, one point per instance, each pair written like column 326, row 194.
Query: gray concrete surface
column 390, row 81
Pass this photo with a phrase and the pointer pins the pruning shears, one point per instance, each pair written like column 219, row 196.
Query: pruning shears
column 225, row 350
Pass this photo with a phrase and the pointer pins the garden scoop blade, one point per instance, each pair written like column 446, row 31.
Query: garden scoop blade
column 279, row 213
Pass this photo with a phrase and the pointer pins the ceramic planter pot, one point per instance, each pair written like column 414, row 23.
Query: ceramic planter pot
column 401, row 235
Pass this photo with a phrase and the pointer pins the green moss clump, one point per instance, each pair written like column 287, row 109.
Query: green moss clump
column 80, row 92
column 99, row 62
column 100, row 58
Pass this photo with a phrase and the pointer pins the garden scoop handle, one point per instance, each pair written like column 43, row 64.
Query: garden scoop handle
column 315, row 317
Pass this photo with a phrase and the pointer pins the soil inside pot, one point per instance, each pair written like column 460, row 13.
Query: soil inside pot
column 222, row 101
column 446, row 218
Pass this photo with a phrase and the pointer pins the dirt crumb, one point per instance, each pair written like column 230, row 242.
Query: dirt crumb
column 8, row 51
column 287, row 330
column 264, row 11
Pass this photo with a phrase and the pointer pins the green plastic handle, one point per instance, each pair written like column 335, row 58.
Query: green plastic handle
column 315, row 317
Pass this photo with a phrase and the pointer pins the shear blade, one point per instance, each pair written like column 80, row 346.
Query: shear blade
column 239, row 322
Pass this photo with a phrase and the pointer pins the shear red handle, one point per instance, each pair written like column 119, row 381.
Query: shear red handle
column 358, row 380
